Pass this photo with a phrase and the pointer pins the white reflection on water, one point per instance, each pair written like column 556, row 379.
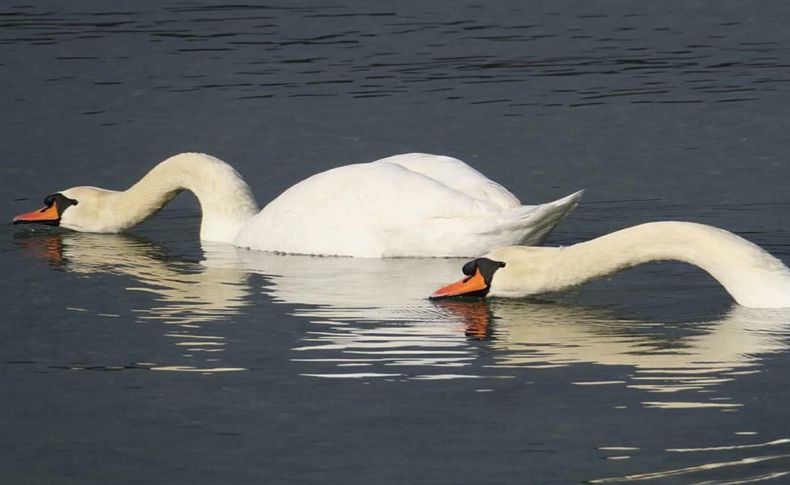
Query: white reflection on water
column 665, row 359
column 370, row 318
column 735, row 466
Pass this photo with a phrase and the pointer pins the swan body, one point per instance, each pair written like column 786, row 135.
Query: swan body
column 752, row 276
column 406, row 205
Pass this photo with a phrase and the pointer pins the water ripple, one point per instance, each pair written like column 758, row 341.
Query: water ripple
column 719, row 465
column 620, row 61
column 375, row 316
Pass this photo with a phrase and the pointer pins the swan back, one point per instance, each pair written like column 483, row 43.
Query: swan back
column 457, row 175
column 386, row 209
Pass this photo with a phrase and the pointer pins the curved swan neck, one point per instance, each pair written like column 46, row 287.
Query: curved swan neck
column 751, row 275
column 226, row 200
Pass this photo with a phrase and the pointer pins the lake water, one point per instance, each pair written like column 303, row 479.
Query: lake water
column 146, row 358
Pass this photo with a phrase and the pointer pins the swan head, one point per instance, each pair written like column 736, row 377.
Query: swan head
column 477, row 282
column 55, row 206
column 512, row 271
column 82, row 209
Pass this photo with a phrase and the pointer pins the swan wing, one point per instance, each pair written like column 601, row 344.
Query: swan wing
column 535, row 222
column 457, row 175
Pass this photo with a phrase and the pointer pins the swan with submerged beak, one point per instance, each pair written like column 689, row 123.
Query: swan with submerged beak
column 750, row 275
column 406, row 205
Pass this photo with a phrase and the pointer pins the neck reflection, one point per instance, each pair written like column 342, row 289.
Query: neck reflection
column 696, row 356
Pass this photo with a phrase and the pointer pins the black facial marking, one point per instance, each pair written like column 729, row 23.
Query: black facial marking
column 470, row 267
column 61, row 202
column 487, row 268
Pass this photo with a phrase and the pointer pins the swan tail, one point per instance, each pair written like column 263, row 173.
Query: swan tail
column 535, row 222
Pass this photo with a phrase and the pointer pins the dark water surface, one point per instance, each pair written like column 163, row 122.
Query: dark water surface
column 148, row 358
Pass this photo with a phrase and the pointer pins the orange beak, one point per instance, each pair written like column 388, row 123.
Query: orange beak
column 45, row 214
column 467, row 286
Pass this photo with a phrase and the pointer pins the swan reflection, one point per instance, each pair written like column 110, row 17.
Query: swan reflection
column 370, row 318
column 689, row 357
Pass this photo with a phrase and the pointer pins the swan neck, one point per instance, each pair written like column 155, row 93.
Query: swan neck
column 745, row 270
column 226, row 201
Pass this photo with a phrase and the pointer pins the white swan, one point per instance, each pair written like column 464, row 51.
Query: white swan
column 406, row 205
column 753, row 277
